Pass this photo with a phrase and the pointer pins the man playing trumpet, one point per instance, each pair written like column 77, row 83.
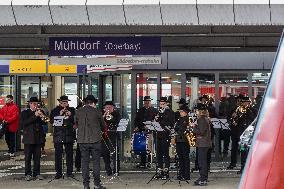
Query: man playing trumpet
column 63, row 135
column 110, row 146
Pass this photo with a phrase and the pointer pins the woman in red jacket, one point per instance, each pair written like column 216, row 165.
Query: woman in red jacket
column 9, row 113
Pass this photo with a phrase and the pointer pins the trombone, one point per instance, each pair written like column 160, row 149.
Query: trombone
column 108, row 142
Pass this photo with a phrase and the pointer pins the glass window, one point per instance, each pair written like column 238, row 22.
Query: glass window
column 29, row 88
column 233, row 84
column 108, row 88
column 199, row 84
column 146, row 86
column 70, row 89
column 259, row 83
column 6, row 88
column 94, row 83
column 171, row 88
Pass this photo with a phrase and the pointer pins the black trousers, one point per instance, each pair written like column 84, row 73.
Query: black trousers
column 234, row 150
column 209, row 156
column 203, row 162
column 163, row 146
column 58, row 157
column 32, row 151
column 183, row 151
column 78, row 158
column 10, row 140
column 94, row 150
column 225, row 136
column 107, row 148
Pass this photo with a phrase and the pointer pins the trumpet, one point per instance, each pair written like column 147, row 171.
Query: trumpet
column 42, row 115
column 108, row 116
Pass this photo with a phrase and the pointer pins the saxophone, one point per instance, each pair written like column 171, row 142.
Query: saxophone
column 190, row 136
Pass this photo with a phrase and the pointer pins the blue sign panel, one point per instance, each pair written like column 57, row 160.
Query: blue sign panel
column 83, row 46
column 4, row 68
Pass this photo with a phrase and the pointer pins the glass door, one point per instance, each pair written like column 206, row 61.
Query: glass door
column 29, row 87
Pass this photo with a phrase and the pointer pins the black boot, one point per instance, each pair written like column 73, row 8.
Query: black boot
column 166, row 174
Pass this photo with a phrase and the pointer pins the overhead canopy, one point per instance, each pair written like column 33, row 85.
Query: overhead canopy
column 136, row 12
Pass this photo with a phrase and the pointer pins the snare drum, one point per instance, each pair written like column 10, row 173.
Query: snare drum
column 140, row 143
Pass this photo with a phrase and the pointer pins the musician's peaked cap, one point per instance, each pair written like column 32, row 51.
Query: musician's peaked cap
column 182, row 101
column 147, row 98
column 63, row 98
column 109, row 103
column 201, row 106
column 163, row 99
column 90, row 98
column 33, row 99
column 245, row 99
column 184, row 108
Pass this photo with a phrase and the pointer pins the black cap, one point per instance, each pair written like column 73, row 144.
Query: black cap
column 163, row 99
column 182, row 101
column 184, row 108
column 90, row 98
column 201, row 106
column 147, row 98
column 245, row 99
column 63, row 98
column 33, row 99
column 109, row 103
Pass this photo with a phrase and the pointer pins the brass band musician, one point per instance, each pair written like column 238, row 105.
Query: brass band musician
column 182, row 144
column 166, row 119
column 241, row 118
column 146, row 113
column 63, row 135
column 109, row 143
column 31, row 123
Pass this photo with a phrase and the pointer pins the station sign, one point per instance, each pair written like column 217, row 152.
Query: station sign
column 106, row 68
column 27, row 66
column 88, row 46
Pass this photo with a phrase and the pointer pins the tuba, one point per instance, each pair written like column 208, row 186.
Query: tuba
column 190, row 136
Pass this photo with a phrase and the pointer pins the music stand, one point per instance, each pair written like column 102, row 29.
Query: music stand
column 157, row 127
column 177, row 173
column 122, row 125
column 58, row 122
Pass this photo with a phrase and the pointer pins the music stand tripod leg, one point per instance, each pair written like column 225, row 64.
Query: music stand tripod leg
column 156, row 162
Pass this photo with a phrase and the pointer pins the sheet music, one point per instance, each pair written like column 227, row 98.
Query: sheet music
column 58, row 121
column 122, row 125
column 220, row 123
column 157, row 126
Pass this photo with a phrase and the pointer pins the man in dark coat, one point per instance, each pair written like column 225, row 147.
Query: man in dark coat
column 32, row 138
column 90, row 124
column 166, row 119
column 146, row 113
column 62, row 118
column 110, row 140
